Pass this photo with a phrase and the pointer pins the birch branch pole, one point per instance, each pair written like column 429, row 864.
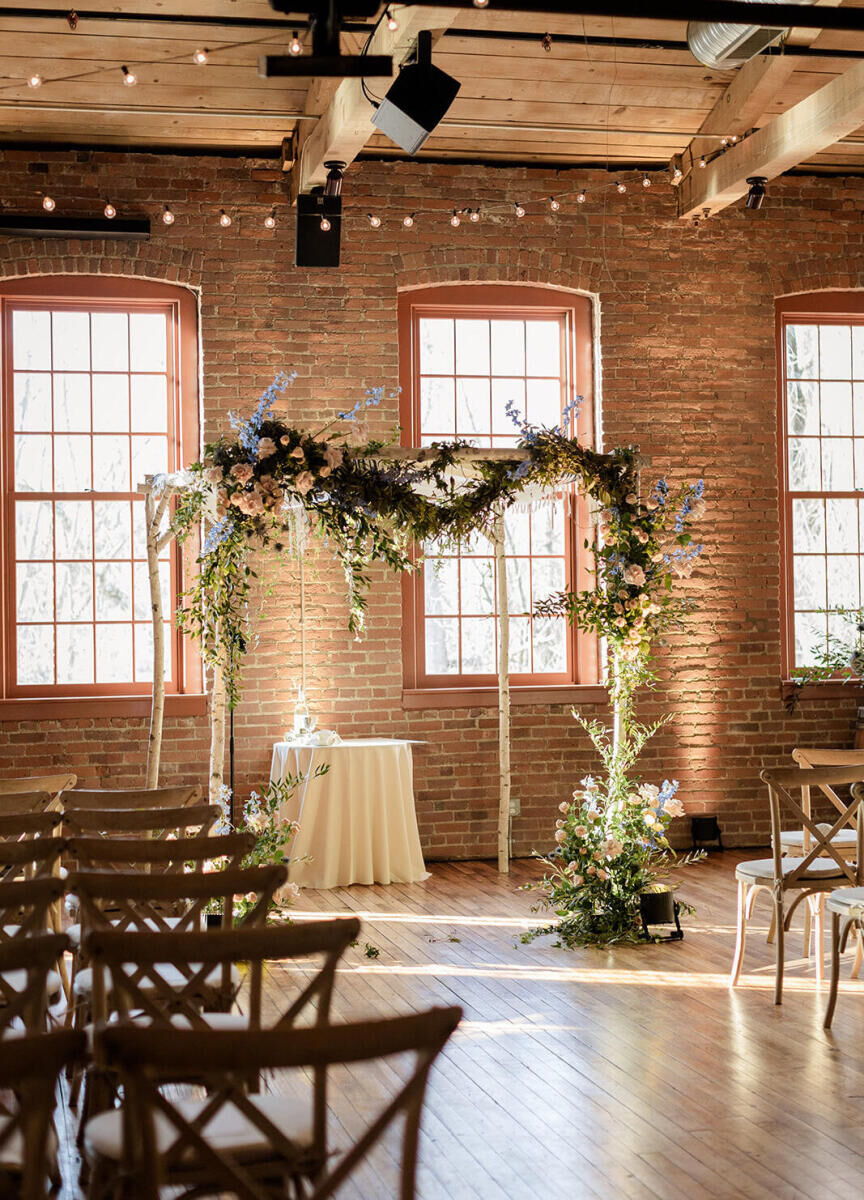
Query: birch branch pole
column 503, row 698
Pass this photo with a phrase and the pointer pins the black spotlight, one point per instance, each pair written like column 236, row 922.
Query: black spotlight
column 417, row 100
column 319, row 222
column 757, row 191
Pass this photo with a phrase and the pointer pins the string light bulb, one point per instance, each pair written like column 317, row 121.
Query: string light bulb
column 109, row 210
column 408, row 220
column 646, row 182
column 518, row 209
column 554, row 204
column 325, row 225
column 621, row 186
column 224, row 218
column 375, row 222
column 270, row 220
column 392, row 23
column 677, row 176
column 580, row 198
column 481, row 3
column 48, row 204
column 168, row 216
column 455, row 220
column 128, row 77
column 474, row 215
column 200, row 57
column 724, row 141
column 34, row 80
column 295, row 46
column 702, row 163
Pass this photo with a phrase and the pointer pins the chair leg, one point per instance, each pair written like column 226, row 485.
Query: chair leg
column 859, row 953
column 781, row 937
column 835, row 969
column 819, row 948
column 771, row 928
column 808, row 927
column 741, row 933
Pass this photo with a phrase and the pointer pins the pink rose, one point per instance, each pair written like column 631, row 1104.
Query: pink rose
column 298, row 453
column 580, row 831
column 242, row 472
column 674, row 807
column 563, row 807
column 214, row 475
column 578, row 880
column 334, row 457
column 358, row 435
column 601, row 875
column 285, row 440
column 266, row 448
column 324, row 471
column 634, row 575
column 304, row 482
column 560, row 836
column 559, row 824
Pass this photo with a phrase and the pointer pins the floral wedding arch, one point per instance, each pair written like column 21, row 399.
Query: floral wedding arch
column 375, row 502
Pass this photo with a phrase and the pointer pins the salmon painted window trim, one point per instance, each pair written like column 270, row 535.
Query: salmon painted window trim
column 820, row 358
column 99, row 387
column 467, row 352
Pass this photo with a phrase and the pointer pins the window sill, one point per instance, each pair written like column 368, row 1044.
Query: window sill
column 66, row 708
column 830, row 689
column 487, row 697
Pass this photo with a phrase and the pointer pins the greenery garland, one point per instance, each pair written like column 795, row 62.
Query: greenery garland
column 369, row 508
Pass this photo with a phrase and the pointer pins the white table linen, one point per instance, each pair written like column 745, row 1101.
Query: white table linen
column 357, row 821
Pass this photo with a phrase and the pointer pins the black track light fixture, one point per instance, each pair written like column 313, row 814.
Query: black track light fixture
column 756, row 194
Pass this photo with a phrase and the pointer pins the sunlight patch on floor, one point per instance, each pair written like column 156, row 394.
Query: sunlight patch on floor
column 380, row 918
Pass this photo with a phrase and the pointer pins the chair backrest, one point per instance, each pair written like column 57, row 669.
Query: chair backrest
column 31, row 1066
column 808, row 757
column 24, row 906
column 783, row 786
column 53, row 784
column 164, row 797
column 24, row 825
column 144, row 1057
column 187, row 821
column 27, row 858
column 25, row 802
column 24, row 966
column 156, row 856
column 143, row 901
column 136, row 963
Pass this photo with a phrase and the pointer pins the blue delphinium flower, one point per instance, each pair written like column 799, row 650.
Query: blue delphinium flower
column 571, row 408
column 219, row 533
column 249, row 428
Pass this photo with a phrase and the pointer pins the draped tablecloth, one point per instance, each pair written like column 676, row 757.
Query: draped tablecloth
column 357, row 821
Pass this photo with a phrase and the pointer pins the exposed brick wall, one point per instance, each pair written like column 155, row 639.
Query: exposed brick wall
column 687, row 337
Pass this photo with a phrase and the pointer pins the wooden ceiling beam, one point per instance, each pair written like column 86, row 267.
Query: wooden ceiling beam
column 823, row 118
column 346, row 125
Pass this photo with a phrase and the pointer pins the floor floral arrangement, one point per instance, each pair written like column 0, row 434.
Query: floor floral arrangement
column 611, row 840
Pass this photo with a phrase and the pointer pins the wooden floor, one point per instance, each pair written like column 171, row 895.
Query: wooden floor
column 629, row 1073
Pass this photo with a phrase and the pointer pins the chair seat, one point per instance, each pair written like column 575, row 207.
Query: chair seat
column 17, row 980
column 229, row 1129
column 172, row 977
column 842, row 899
column 74, row 931
column 843, row 839
column 237, row 1021
column 761, row 870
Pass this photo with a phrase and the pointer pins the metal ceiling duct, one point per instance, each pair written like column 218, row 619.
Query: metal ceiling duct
column 723, row 46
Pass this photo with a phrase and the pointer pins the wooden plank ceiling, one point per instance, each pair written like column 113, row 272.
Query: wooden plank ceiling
column 578, row 102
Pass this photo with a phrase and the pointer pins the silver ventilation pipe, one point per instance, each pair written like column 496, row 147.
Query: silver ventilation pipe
column 723, row 46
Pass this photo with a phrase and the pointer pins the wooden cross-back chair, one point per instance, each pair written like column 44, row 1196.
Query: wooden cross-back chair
column 21, row 826
column 268, row 1145
column 846, row 906
column 135, row 962
column 806, row 877
column 31, row 1066
column 55, row 784
column 28, row 979
column 133, row 902
column 114, row 798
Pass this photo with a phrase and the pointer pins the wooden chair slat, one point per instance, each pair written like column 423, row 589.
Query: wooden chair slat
column 129, row 798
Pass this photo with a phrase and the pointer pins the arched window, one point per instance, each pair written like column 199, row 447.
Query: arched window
column 99, row 389
column 821, row 376
column 468, row 354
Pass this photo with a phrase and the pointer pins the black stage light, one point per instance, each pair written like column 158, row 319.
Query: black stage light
column 319, row 222
column 757, row 191
column 417, row 100
column 326, row 59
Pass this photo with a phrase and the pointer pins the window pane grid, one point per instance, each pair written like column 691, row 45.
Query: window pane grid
column 824, row 394
column 80, row 561
column 470, row 371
